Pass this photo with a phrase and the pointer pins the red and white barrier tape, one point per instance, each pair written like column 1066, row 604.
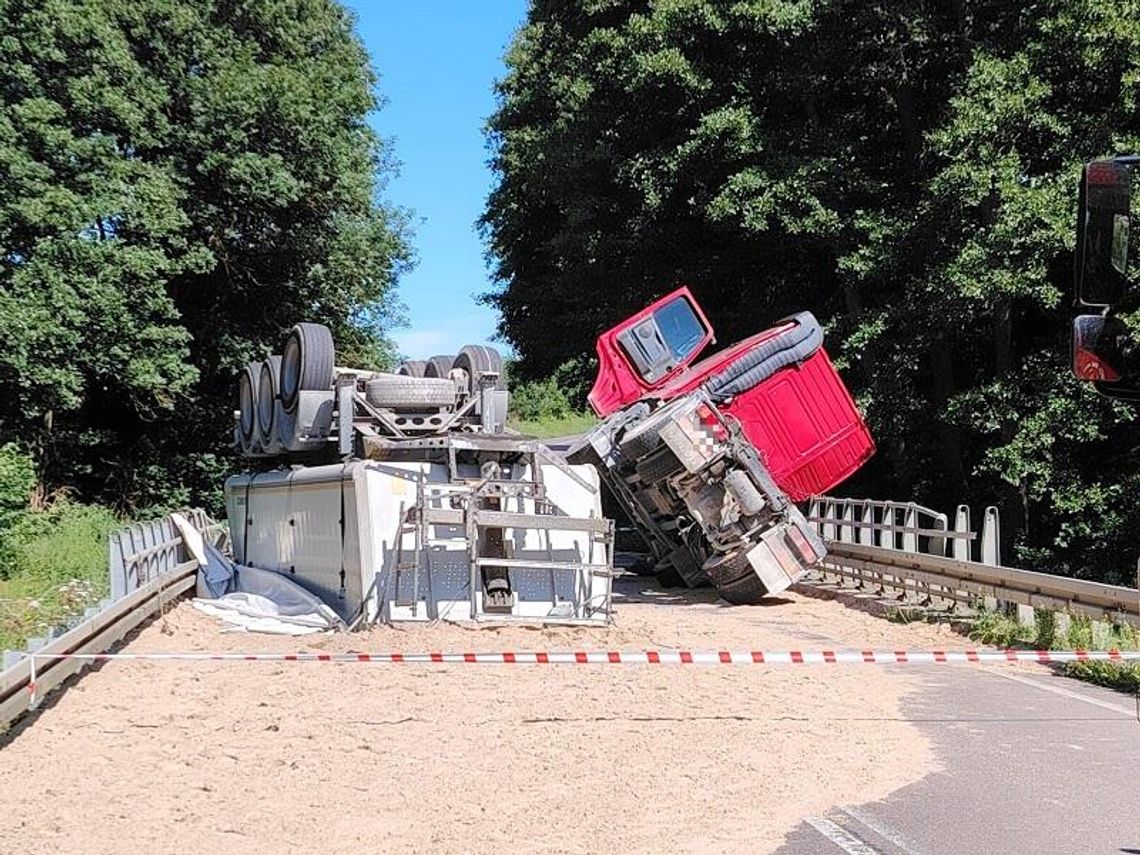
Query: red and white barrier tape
column 639, row 657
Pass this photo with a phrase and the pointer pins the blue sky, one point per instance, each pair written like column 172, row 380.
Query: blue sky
column 437, row 61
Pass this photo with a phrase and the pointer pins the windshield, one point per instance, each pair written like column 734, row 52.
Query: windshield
column 680, row 327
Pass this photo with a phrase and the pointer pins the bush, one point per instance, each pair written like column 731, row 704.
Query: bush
column 53, row 564
column 17, row 481
column 548, row 408
column 66, row 541
column 1123, row 676
column 539, row 400
column 999, row 630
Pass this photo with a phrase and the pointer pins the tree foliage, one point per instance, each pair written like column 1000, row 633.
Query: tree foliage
column 907, row 171
column 179, row 183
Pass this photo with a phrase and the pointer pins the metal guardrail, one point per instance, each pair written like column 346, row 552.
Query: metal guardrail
column 149, row 568
column 906, row 550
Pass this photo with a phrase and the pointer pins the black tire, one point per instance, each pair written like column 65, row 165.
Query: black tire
column 439, row 366
column 412, row 368
column 306, row 363
column 410, row 393
column 658, row 466
column 734, row 578
column 477, row 359
column 668, row 577
column 644, row 436
column 248, row 384
column 268, row 390
column 746, row 591
column 643, row 566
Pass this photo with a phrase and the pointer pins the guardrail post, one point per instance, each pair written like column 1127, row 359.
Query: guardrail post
column 866, row 534
column 991, row 537
column 961, row 546
column 829, row 527
column 937, row 545
column 118, row 571
column 846, row 529
column 910, row 523
column 887, row 525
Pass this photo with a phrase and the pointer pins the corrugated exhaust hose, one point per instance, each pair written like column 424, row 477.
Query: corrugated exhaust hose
column 760, row 363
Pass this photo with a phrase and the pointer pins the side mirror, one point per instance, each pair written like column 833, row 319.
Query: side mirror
column 672, row 333
column 1103, row 265
column 1106, row 354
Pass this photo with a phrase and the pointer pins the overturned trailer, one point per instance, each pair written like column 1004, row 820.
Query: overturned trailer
column 413, row 501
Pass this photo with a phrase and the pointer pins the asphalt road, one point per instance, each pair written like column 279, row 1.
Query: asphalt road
column 1035, row 764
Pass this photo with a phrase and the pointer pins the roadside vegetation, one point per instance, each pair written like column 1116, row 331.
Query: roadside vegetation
column 53, row 553
column 549, row 408
column 183, row 183
column 997, row 629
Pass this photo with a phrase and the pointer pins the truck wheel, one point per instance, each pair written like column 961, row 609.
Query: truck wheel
column 307, row 362
column 645, row 435
column 734, row 578
column 659, row 466
column 409, row 393
column 412, row 368
column 248, row 384
column 268, row 390
column 439, row 366
column 477, row 359
column 668, row 577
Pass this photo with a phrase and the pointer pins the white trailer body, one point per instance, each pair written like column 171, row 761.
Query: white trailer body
column 348, row 533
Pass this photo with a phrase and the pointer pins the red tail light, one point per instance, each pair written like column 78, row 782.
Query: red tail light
column 1105, row 172
column 1088, row 366
column 802, row 546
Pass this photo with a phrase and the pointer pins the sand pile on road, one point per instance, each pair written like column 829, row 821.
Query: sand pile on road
column 275, row 757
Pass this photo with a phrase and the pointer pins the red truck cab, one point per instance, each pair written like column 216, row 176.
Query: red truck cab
column 798, row 413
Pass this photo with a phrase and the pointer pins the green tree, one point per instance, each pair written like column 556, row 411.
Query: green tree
column 907, row 171
column 179, row 183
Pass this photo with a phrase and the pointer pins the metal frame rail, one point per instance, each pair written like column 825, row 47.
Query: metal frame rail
column 149, row 570
column 906, row 549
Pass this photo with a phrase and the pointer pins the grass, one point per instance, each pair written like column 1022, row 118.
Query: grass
column 1000, row 630
column 53, row 565
column 554, row 426
column 1122, row 676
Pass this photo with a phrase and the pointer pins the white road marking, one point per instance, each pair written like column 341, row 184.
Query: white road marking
column 883, row 830
column 1065, row 693
column 841, row 837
